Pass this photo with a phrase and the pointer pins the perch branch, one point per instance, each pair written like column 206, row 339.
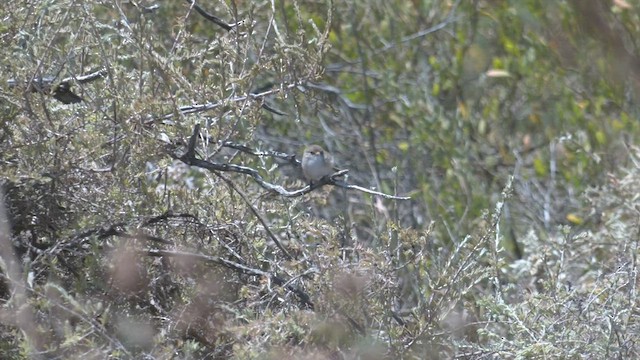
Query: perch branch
column 190, row 159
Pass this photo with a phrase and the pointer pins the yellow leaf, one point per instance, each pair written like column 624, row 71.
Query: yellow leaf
column 462, row 109
column 540, row 167
column 617, row 124
column 534, row 118
column 574, row 219
column 436, row 89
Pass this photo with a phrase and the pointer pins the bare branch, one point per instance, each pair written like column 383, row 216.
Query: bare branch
column 450, row 19
column 197, row 108
column 214, row 19
column 243, row 170
column 344, row 185
column 61, row 90
column 87, row 78
column 189, row 158
column 257, row 214
column 271, row 153
column 265, row 105
column 270, row 108
column 241, row 268
column 336, row 92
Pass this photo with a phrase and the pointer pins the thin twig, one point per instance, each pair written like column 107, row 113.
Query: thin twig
column 198, row 108
column 241, row 268
column 344, row 185
column 270, row 153
column 257, row 214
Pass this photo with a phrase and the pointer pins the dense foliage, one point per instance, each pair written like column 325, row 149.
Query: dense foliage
column 152, row 209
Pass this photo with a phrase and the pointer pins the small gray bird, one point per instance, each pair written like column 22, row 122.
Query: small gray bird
column 316, row 163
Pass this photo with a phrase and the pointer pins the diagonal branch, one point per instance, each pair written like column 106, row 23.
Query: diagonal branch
column 257, row 214
column 241, row 268
column 214, row 19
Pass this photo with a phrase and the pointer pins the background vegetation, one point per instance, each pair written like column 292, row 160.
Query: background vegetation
column 512, row 124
